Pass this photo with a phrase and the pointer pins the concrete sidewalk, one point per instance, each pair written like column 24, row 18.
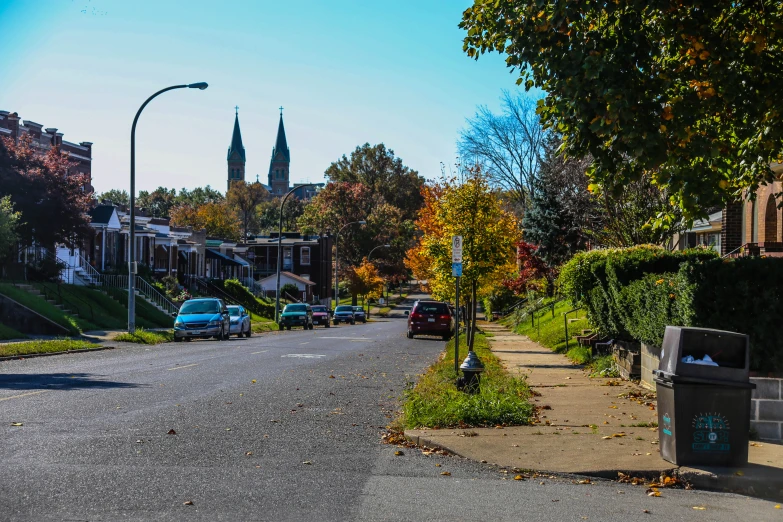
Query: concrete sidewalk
column 595, row 427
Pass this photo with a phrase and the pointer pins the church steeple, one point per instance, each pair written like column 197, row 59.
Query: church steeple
column 280, row 162
column 236, row 154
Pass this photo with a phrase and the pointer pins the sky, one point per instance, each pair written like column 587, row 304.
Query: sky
column 347, row 72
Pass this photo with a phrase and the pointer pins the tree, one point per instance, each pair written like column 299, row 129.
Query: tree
column 365, row 280
column 217, row 218
column 339, row 204
column 686, row 94
column 9, row 220
column 563, row 214
column 116, row 196
column 199, row 196
column 50, row 198
column 532, row 269
column 383, row 174
column 268, row 214
column 158, row 202
column 244, row 199
column 509, row 146
column 475, row 212
column 290, row 289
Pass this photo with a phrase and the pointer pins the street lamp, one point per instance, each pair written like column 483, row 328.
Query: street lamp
column 280, row 248
column 132, row 232
column 368, row 260
column 336, row 261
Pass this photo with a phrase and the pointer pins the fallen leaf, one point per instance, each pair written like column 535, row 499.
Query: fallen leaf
column 653, row 493
column 307, row 462
column 228, row 429
column 585, row 481
column 139, row 441
column 756, row 444
column 700, row 508
column 16, row 424
column 253, row 381
column 398, row 453
column 188, row 503
column 445, row 473
column 331, row 376
column 518, row 477
column 777, row 506
column 437, row 465
column 739, row 473
column 249, row 453
column 171, row 432
column 645, row 511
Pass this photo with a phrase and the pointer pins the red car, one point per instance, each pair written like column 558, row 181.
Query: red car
column 430, row 318
column 320, row 315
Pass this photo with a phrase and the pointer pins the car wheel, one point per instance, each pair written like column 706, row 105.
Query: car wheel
column 188, row 339
column 177, row 339
column 446, row 337
column 336, row 323
column 409, row 334
column 220, row 336
column 311, row 326
column 288, row 328
column 249, row 332
column 281, row 327
column 327, row 324
column 353, row 322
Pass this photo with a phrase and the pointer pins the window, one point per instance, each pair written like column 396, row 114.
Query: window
column 287, row 261
column 305, row 256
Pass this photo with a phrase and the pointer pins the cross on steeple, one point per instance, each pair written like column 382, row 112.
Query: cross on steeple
column 236, row 108
column 281, row 110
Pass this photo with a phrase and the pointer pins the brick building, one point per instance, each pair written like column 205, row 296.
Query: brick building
column 12, row 126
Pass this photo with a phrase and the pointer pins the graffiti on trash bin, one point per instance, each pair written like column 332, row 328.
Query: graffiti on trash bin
column 667, row 424
column 711, row 432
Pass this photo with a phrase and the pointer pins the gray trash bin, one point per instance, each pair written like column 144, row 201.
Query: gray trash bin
column 704, row 409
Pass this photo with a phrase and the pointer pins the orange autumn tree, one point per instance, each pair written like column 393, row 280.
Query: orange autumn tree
column 365, row 280
column 217, row 218
column 470, row 209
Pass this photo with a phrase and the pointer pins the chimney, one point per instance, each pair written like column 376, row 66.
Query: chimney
column 87, row 144
column 13, row 124
column 52, row 131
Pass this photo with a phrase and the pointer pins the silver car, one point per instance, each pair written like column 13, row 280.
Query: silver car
column 240, row 321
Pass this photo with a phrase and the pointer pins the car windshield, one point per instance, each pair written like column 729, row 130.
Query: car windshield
column 319, row 309
column 295, row 308
column 234, row 311
column 358, row 309
column 200, row 307
column 432, row 308
column 344, row 309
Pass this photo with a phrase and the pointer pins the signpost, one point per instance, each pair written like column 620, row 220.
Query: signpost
column 456, row 272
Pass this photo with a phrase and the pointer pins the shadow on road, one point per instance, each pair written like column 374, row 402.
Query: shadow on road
column 59, row 381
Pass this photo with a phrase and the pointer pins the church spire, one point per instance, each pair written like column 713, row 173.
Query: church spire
column 236, row 139
column 280, row 163
column 281, row 145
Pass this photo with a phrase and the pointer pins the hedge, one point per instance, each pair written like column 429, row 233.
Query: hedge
column 243, row 296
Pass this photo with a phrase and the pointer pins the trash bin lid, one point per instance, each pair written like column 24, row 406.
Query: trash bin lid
column 728, row 353
column 671, row 378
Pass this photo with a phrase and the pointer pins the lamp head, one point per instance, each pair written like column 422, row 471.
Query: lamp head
column 200, row 86
column 387, row 246
column 362, row 222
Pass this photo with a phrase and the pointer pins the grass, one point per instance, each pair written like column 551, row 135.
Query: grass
column 33, row 347
column 435, row 401
column 604, row 366
column 145, row 311
column 143, row 336
column 41, row 306
column 6, row 333
column 262, row 324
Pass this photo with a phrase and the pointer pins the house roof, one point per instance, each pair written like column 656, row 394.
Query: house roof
column 101, row 214
column 214, row 254
column 289, row 275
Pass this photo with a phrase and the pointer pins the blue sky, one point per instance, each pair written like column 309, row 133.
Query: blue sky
column 346, row 71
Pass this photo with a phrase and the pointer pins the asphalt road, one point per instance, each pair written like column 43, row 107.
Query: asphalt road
column 284, row 426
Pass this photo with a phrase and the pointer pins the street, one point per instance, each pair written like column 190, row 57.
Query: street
column 284, row 426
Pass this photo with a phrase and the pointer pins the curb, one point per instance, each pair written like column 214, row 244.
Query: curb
column 32, row 355
column 758, row 487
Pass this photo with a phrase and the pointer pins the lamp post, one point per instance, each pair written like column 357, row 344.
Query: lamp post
column 368, row 260
column 336, row 261
column 132, row 232
column 280, row 248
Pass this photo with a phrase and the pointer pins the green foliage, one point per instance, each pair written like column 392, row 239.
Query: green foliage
column 146, row 314
column 603, row 366
column 549, row 329
column 48, row 310
column 651, row 306
column 9, row 220
column 260, row 307
column 687, row 94
column 116, row 196
column 435, row 400
column 56, row 345
column 7, row 333
column 500, row 299
column 290, row 289
column 142, row 336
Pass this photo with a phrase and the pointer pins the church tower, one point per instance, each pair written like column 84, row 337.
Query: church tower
column 236, row 155
column 280, row 163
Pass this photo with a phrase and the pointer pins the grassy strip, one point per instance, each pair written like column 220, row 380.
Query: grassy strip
column 33, row 347
column 436, row 402
column 41, row 306
column 143, row 336
column 263, row 325
column 144, row 310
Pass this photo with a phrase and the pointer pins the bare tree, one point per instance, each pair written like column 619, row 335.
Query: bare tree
column 509, row 146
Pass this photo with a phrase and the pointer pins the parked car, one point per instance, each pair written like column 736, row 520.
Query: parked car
column 343, row 314
column 202, row 318
column 320, row 315
column 430, row 318
column 240, row 321
column 359, row 315
column 298, row 314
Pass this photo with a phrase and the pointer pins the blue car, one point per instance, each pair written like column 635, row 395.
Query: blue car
column 202, row 318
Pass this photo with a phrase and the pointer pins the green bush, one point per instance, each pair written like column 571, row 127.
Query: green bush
column 243, row 296
column 651, row 305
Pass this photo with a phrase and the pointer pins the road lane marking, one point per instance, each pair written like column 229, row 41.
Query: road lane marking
column 304, row 355
column 300, row 344
column 362, row 340
column 186, row 366
column 349, row 338
column 23, row 395
column 262, row 351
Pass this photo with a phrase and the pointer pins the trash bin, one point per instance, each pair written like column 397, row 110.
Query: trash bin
column 704, row 396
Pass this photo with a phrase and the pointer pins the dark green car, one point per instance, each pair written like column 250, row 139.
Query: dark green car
column 297, row 315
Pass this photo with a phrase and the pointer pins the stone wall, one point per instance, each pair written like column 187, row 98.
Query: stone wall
column 766, row 408
column 651, row 357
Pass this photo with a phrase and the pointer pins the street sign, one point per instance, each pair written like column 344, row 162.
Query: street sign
column 456, row 269
column 456, row 249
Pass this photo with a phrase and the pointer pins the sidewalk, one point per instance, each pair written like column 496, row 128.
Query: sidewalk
column 595, row 427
